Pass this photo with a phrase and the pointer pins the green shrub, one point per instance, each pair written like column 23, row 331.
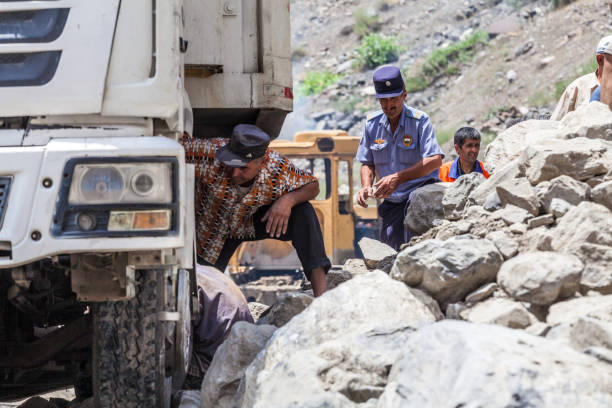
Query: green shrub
column 585, row 69
column 375, row 50
column 364, row 24
column 416, row 84
column 444, row 135
column 316, row 81
column 561, row 3
column 462, row 51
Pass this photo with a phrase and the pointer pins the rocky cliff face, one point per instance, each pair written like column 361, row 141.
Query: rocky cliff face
column 521, row 267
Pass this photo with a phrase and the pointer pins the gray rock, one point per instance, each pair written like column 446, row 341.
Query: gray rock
column 579, row 158
column 520, row 193
column 591, row 120
column 425, row 207
column 257, row 309
column 538, row 329
column 597, row 307
column 559, row 207
column 509, row 144
column 602, row 194
column 518, row 228
column 500, row 311
column 586, row 231
column 337, row 353
column 188, row 399
column 600, row 353
column 482, row 293
column 540, row 239
column 492, row 202
column 429, row 302
column 564, row 188
column 453, row 310
column 448, row 270
column 511, row 76
column 512, row 214
column 500, row 367
column 230, row 361
column 510, row 171
column 375, row 252
column 540, row 278
column 540, row 221
column 335, row 277
column 285, row 308
column 504, row 242
column 455, row 197
column 355, row 266
column 582, row 333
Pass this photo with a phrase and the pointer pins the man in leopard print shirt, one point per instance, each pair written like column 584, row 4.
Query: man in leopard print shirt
column 246, row 192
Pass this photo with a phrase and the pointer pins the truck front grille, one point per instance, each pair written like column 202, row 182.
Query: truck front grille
column 5, row 184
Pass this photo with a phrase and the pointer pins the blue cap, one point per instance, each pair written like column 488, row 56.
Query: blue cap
column 388, row 82
column 247, row 143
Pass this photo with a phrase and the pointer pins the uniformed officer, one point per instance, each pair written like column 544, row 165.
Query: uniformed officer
column 400, row 148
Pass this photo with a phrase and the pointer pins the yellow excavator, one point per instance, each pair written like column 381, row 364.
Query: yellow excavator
column 329, row 155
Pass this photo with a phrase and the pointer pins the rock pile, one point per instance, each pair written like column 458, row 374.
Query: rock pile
column 520, row 264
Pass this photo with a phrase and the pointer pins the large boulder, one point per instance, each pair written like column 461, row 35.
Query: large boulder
column 336, row 353
column 509, row 144
column 579, row 158
column 597, row 307
column 455, row 197
column 376, row 253
column 505, row 243
column 231, row 359
column 501, row 311
column 425, row 207
column 458, row 364
column 448, row 270
column 564, row 188
column 602, row 194
column 583, row 333
column 520, row 193
column 286, row 306
column 540, row 278
column 484, row 191
column 586, row 231
column 591, row 120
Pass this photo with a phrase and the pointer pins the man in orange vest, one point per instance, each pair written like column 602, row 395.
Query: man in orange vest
column 467, row 146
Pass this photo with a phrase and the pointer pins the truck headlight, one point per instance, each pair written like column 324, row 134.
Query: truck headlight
column 118, row 196
column 121, row 183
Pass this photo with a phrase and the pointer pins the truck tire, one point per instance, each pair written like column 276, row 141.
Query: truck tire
column 129, row 348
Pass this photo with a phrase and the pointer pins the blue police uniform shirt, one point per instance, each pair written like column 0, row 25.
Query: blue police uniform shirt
column 413, row 140
column 596, row 95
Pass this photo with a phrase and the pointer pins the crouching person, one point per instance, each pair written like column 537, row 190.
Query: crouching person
column 246, row 192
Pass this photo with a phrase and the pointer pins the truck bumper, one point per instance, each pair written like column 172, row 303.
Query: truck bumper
column 25, row 234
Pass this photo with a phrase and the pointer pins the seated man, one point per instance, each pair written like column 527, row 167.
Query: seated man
column 467, row 146
column 247, row 192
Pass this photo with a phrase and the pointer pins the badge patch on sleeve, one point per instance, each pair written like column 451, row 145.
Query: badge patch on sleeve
column 407, row 141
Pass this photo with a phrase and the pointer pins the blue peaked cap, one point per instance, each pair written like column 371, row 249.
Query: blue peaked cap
column 388, row 82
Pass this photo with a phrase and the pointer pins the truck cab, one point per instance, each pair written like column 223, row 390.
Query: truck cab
column 96, row 200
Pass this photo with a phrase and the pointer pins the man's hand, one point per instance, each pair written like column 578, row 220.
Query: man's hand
column 278, row 216
column 363, row 195
column 386, row 186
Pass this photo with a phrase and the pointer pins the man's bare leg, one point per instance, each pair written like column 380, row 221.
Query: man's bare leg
column 319, row 283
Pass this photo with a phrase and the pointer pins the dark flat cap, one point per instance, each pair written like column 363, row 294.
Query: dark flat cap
column 247, row 143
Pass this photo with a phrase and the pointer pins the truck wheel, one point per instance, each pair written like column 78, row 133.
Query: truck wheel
column 129, row 348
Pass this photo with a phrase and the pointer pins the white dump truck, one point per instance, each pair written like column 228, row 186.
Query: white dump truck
column 96, row 201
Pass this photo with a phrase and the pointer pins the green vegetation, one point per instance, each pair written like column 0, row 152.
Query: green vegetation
column 364, row 23
column 540, row 98
column 416, row 84
column 351, row 104
column 462, row 51
column 375, row 50
column 444, row 135
column 316, row 81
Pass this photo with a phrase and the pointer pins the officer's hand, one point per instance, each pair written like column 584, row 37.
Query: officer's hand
column 363, row 195
column 278, row 217
column 386, row 186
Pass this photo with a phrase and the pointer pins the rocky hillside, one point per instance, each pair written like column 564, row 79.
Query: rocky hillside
column 504, row 300
column 529, row 52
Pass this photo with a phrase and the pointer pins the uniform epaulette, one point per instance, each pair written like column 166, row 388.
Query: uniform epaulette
column 374, row 115
column 415, row 113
